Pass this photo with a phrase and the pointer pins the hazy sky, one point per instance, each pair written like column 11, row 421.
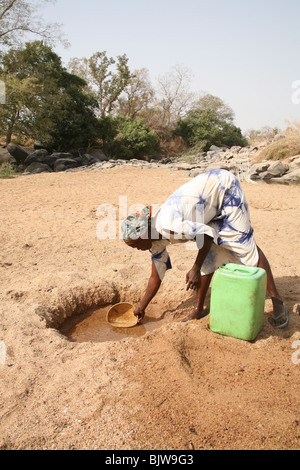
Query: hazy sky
column 246, row 52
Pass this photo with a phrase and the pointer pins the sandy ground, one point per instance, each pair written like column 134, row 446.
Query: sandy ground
column 178, row 387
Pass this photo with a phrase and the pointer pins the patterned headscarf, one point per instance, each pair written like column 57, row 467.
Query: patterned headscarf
column 135, row 226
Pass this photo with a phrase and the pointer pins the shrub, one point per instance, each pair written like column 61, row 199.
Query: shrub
column 133, row 139
column 7, row 170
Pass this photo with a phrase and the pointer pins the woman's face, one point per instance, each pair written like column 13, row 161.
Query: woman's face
column 140, row 244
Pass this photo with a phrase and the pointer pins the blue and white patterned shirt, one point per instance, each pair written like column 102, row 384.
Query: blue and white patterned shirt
column 212, row 204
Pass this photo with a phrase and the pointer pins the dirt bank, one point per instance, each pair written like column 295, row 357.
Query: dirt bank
column 179, row 387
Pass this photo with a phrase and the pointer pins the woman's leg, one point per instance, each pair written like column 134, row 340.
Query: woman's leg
column 200, row 298
column 280, row 311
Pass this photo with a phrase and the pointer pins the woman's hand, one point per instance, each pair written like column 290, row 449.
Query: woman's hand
column 193, row 279
column 140, row 313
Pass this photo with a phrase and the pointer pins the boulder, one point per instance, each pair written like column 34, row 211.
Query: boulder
column 79, row 160
column 258, row 168
column 36, row 156
column 98, row 155
column 19, row 153
column 5, row 156
column 63, row 164
column 214, row 148
column 60, row 155
column 276, row 169
column 36, row 167
column 42, row 156
column 292, row 176
column 213, row 155
column 88, row 159
column 165, row 161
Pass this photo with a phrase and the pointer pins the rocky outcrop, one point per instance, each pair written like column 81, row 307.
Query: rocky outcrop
column 234, row 159
column 38, row 160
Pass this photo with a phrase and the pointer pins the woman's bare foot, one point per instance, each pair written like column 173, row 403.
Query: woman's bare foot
column 196, row 314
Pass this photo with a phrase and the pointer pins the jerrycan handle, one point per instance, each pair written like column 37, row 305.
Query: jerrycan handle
column 243, row 270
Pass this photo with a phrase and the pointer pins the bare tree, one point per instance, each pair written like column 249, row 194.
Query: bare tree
column 19, row 18
column 137, row 96
column 174, row 94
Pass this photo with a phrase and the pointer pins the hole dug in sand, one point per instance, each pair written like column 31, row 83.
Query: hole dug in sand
column 81, row 316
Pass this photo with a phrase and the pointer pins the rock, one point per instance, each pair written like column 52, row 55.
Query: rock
column 36, row 156
column 63, row 164
column 5, row 156
column 196, row 172
column 258, row 168
column 88, row 159
column 236, row 149
column 59, row 155
column 277, row 169
column 182, row 166
column 42, row 156
column 278, row 166
column 38, row 146
column 98, row 155
column 292, row 176
column 37, row 167
column 229, row 156
column 18, row 152
column 264, row 175
column 295, row 157
column 216, row 166
column 213, row 155
column 295, row 163
column 79, row 160
column 164, row 161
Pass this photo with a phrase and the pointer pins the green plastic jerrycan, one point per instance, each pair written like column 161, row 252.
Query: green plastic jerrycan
column 238, row 297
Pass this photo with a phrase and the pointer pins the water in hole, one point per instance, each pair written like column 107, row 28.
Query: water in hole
column 93, row 327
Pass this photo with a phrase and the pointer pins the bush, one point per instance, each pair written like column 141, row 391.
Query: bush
column 7, row 170
column 133, row 139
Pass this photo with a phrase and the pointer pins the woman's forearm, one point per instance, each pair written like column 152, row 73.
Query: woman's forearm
column 203, row 252
column 151, row 291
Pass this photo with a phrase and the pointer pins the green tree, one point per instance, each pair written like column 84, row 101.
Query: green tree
column 51, row 105
column 106, row 77
column 210, row 123
column 21, row 97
